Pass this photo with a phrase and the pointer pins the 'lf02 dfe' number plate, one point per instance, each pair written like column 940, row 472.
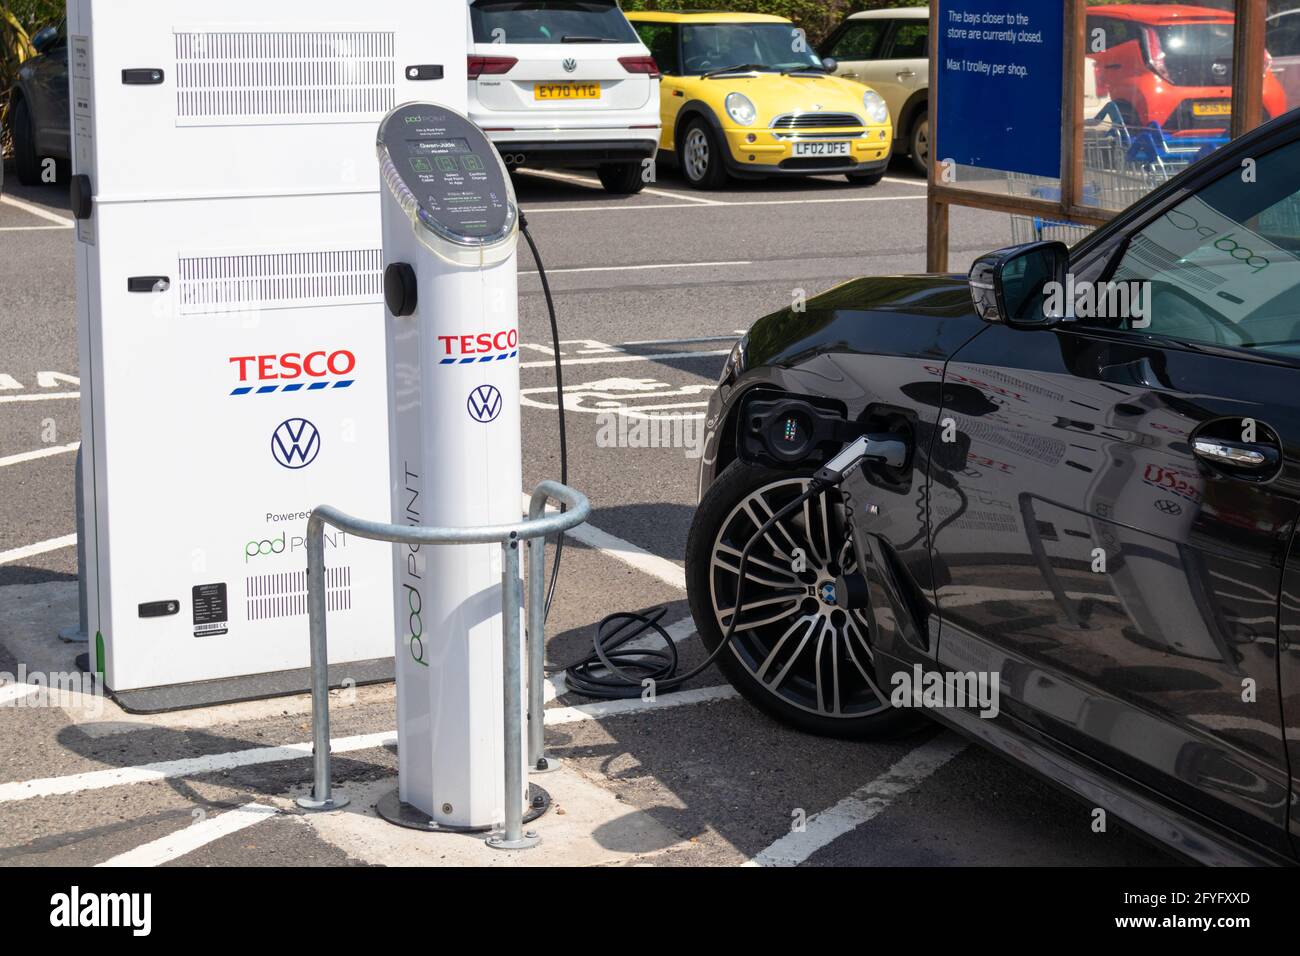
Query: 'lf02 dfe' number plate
column 821, row 149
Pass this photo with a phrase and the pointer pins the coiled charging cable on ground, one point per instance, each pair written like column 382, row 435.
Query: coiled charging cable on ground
column 614, row 670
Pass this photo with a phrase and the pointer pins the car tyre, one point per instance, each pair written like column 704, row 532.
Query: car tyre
column 699, row 155
column 621, row 179
column 918, row 142
column 865, row 179
column 776, row 673
column 27, row 165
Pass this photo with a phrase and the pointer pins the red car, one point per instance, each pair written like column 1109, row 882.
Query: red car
column 1170, row 64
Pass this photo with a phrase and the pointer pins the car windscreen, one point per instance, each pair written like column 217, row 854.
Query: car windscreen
column 550, row 21
column 1196, row 54
column 716, row 46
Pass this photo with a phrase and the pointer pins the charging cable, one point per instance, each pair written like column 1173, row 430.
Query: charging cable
column 614, row 670
column 559, row 401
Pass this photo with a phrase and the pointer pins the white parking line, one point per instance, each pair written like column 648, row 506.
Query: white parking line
column 656, row 265
column 193, row 766
column 12, row 692
column 194, row 837
column 214, row 763
column 38, row 211
column 39, row 453
column 33, row 228
column 695, row 341
column 41, row 547
column 44, row 397
column 619, row 358
column 616, row 708
column 630, row 554
column 595, row 184
column 862, row 805
column 724, row 205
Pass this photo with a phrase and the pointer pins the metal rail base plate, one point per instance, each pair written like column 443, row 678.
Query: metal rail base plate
column 392, row 809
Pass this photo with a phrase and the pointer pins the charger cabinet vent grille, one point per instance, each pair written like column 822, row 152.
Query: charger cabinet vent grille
column 284, row 594
column 280, row 280
column 266, row 78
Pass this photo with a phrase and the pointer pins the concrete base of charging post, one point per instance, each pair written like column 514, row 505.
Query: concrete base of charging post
column 533, row 530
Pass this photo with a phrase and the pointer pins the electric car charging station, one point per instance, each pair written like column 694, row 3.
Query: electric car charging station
column 450, row 226
column 230, row 307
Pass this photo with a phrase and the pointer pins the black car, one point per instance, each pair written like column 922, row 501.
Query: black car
column 1098, row 513
column 38, row 108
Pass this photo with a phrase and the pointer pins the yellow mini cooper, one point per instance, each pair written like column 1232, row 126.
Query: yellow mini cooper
column 744, row 94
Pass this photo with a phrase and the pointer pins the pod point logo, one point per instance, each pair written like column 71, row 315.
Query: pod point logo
column 484, row 404
column 295, row 443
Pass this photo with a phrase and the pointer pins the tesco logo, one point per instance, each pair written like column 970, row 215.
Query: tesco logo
column 309, row 371
column 482, row 347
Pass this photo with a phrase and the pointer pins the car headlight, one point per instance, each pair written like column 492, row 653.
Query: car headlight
column 735, row 363
column 877, row 108
column 740, row 108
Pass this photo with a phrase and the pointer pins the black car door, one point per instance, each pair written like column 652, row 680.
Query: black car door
column 1115, row 546
column 51, row 113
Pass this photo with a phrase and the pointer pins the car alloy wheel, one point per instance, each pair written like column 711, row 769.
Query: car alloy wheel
column 696, row 155
column 792, row 642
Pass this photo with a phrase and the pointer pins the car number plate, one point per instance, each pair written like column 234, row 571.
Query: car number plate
column 566, row 91
column 1212, row 109
column 821, row 149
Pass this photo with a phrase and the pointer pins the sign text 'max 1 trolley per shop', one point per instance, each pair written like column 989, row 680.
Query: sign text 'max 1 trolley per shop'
column 229, row 294
column 450, row 228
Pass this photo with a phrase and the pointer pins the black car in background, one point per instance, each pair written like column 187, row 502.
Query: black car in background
column 1101, row 512
column 38, row 107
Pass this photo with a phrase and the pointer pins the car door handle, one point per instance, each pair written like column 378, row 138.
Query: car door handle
column 851, row 76
column 1235, row 454
column 1113, row 66
column 904, row 74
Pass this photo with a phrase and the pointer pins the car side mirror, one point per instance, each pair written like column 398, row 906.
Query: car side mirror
column 829, row 64
column 1012, row 285
column 44, row 38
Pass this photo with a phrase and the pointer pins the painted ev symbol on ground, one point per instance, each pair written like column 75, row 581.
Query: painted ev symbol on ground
column 633, row 397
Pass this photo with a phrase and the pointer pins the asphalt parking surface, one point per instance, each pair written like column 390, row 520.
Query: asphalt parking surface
column 651, row 290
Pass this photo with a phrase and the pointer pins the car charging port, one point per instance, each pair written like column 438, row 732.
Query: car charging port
column 784, row 432
column 789, row 432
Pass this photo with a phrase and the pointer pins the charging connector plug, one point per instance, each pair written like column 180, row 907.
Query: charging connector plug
column 887, row 450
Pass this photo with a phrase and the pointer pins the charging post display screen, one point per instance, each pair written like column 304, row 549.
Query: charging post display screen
column 451, row 170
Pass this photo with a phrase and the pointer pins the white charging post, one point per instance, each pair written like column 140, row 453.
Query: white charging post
column 230, row 309
column 450, row 227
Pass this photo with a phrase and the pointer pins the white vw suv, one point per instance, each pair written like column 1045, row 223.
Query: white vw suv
column 564, row 83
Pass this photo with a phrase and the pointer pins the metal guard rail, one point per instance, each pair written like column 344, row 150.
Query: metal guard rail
column 534, row 531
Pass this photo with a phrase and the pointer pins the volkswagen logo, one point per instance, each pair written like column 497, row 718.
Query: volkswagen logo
column 484, row 404
column 569, row 65
column 295, row 443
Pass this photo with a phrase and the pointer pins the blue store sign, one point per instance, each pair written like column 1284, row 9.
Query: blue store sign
column 999, row 84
